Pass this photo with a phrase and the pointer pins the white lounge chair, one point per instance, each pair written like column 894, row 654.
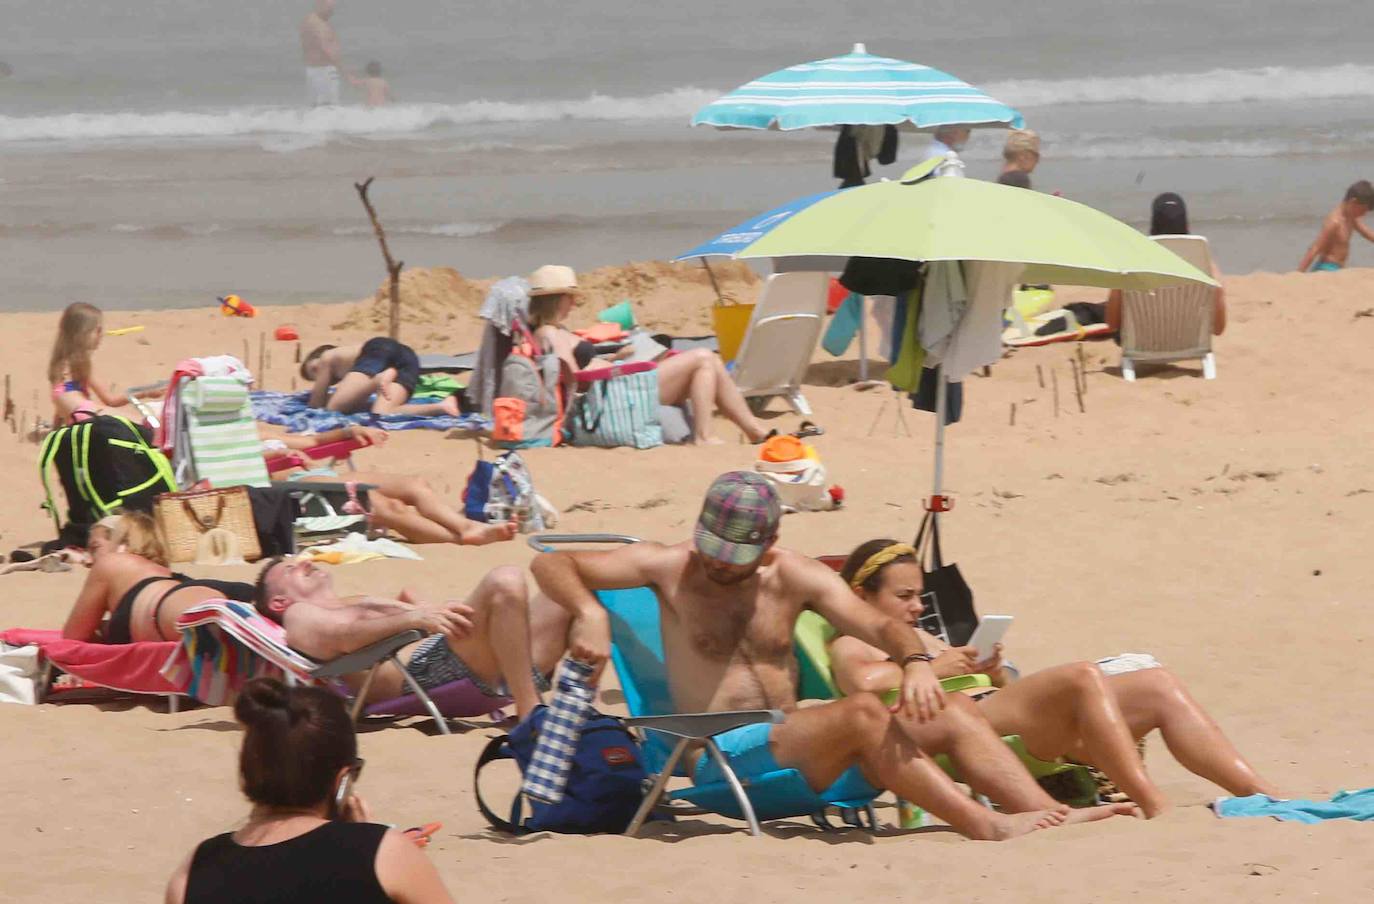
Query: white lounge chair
column 782, row 335
column 1171, row 324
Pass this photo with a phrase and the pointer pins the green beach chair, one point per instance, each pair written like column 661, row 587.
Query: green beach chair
column 1072, row 784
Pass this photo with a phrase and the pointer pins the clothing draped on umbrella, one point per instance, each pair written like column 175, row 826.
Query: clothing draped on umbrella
column 978, row 239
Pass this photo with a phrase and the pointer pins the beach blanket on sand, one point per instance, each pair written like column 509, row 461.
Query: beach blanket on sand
column 1357, row 805
column 290, row 410
column 130, row 667
column 225, row 644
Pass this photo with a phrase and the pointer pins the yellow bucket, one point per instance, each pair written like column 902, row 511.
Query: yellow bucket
column 731, row 322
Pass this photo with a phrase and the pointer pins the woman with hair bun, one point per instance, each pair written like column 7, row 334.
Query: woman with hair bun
column 309, row 838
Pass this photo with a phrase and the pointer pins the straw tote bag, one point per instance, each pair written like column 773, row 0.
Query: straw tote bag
column 184, row 517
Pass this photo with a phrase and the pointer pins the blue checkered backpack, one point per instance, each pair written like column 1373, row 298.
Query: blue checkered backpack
column 605, row 785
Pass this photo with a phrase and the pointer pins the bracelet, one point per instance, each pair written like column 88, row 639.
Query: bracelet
column 916, row 657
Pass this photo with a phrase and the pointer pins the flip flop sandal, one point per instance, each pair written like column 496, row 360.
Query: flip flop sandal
column 420, row 835
column 808, row 428
column 766, row 437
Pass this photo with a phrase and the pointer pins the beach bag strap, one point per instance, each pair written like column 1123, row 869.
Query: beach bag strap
column 932, row 522
column 46, row 454
column 498, row 748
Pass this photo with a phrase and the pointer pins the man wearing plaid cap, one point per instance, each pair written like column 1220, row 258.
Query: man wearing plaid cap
column 730, row 598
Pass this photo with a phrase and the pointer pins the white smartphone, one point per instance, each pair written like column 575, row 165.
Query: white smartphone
column 991, row 629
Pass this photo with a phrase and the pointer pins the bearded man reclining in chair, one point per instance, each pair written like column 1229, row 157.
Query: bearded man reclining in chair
column 485, row 638
column 729, row 601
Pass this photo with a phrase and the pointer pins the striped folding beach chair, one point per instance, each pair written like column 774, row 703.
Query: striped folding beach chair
column 217, row 438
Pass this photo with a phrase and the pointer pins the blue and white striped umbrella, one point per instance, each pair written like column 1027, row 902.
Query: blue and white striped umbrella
column 856, row 89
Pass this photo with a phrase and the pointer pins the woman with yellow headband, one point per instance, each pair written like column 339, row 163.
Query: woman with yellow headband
column 888, row 575
column 1073, row 711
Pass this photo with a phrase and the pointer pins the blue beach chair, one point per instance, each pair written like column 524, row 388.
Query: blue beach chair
column 637, row 654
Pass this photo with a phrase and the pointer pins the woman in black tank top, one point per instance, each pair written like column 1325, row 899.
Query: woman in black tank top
column 308, row 839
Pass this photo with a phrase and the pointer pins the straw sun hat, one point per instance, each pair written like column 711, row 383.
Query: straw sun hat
column 552, row 279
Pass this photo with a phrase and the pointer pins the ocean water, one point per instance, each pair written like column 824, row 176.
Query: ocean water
column 157, row 152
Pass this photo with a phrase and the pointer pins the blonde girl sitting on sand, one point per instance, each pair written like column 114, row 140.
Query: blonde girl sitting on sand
column 69, row 368
column 698, row 375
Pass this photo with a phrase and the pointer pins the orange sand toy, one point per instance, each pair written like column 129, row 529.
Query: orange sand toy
column 233, row 306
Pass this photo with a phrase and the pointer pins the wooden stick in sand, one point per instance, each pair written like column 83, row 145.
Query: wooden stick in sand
column 1054, row 380
column 1040, row 376
column 1078, row 387
column 715, row 286
column 393, row 268
column 9, row 405
column 247, row 352
column 1083, row 367
column 262, row 360
column 1012, row 421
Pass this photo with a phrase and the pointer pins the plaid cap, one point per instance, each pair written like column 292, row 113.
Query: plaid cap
column 739, row 518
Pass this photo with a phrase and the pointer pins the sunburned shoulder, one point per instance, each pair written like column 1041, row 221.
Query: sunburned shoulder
column 791, row 565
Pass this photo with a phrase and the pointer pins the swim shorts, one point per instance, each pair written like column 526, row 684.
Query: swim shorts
column 747, row 751
column 434, row 664
column 322, row 86
column 379, row 353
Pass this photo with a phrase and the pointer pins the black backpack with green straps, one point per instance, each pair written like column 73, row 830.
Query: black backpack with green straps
column 104, row 463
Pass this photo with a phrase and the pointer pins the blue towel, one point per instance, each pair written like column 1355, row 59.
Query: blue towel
column 290, row 410
column 1358, row 805
column 844, row 325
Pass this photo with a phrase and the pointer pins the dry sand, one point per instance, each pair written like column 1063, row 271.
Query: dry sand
column 1221, row 526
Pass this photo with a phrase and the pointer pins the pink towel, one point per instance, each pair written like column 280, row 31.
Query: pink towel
column 132, row 667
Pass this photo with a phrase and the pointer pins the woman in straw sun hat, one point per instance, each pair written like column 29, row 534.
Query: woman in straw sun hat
column 697, row 376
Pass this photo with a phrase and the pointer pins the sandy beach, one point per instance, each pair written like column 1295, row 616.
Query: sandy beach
column 1220, row 526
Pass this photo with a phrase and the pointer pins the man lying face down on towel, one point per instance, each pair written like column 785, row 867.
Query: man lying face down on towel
column 486, row 638
column 729, row 601
column 380, row 367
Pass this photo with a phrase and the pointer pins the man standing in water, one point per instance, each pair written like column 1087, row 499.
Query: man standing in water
column 320, row 49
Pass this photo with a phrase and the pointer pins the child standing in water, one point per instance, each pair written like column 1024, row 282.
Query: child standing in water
column 376, row 92
column 1332, row 245
column 69, row 368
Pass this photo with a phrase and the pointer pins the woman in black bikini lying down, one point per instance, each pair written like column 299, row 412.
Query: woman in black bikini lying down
column 128, row 581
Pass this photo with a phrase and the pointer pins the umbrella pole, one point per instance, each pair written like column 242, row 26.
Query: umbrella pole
column 863, row 338
column 938, row 502
column 714, row 285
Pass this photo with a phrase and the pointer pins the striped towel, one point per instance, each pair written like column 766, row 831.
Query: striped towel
column 224, row 440
column 547, row 773
column 224, row 644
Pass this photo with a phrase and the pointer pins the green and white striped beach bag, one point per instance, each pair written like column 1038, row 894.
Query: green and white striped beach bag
column 620, row 409
column 225, row 447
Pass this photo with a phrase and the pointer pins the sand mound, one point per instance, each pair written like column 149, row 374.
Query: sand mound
column 669, row 297
column 428, row 295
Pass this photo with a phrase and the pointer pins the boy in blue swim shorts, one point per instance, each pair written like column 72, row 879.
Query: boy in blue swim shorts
column 1331, row 249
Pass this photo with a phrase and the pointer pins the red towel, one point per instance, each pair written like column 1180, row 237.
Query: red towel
column 131, row 667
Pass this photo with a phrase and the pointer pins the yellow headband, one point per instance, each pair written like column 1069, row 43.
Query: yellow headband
column 880, row 558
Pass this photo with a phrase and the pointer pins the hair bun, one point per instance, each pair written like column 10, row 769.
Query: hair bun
column 260, row 700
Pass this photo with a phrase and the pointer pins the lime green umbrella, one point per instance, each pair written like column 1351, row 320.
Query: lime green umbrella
column 922, row 218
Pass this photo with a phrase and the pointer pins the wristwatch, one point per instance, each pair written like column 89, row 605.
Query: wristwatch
column 916, row 657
